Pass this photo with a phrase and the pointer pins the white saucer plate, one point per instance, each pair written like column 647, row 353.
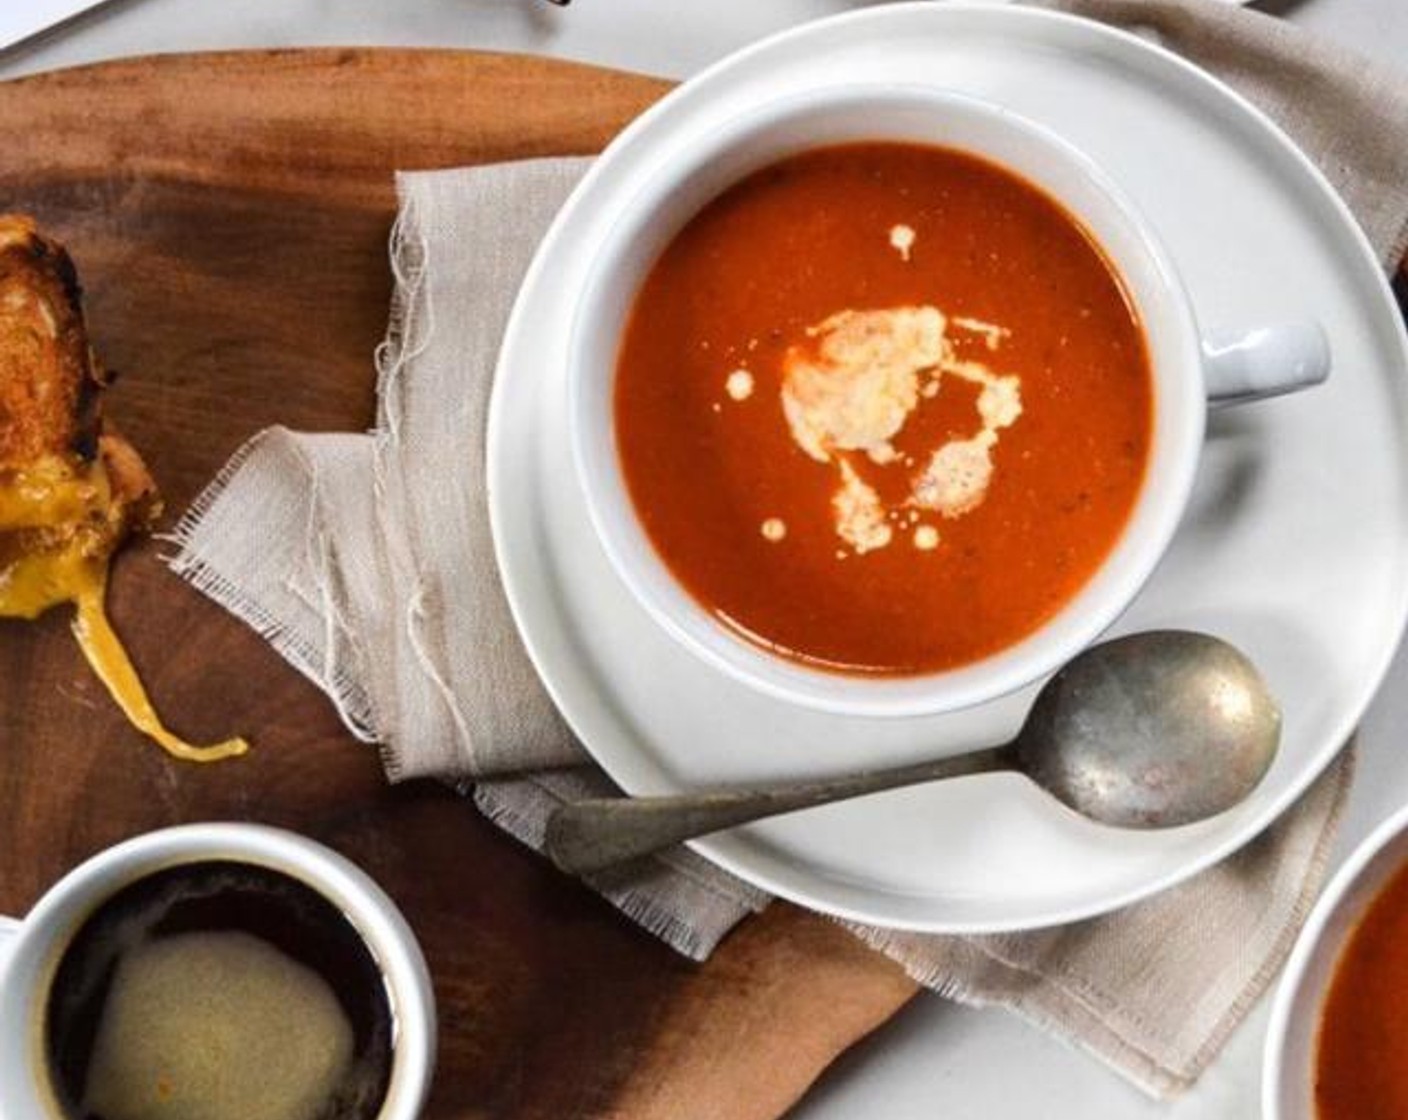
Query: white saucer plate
column 1295, row 545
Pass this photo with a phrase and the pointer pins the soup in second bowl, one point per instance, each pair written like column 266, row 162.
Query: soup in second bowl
column 1361, row 1067
column 883, row 408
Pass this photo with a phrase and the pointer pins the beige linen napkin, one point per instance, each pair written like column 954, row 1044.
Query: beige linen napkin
column 366, row 561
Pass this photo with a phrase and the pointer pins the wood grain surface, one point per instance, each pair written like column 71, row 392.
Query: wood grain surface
column 229, row 214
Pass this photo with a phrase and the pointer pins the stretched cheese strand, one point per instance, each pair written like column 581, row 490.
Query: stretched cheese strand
column 105, row 653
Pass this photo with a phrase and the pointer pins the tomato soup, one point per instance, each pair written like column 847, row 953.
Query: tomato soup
column 1361, row 1065
column 883, row 408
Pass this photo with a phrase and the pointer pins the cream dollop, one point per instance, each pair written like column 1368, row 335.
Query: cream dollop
column 852, row 390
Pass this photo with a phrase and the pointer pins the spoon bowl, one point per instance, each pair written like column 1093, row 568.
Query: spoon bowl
column 1152, row 730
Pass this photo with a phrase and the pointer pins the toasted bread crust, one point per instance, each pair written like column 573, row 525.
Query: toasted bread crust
column 50, row 380
column 134, row 491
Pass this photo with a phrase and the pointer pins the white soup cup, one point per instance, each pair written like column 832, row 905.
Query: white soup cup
column 1190, row 368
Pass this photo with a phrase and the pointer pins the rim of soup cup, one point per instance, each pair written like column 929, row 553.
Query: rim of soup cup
column 687, row 177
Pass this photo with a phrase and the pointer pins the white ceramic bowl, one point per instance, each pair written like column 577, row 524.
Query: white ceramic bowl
column 30, row 950
column 688, row 179
column 1288, row 1090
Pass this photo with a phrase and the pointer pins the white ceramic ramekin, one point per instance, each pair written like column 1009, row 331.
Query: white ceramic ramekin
column 30, row 950
column 1188, row 370
column 1288, row 1068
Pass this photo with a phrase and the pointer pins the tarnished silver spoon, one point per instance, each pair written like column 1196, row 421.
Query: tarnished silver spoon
column 1152, row 730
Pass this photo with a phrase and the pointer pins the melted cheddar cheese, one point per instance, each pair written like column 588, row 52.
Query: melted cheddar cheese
column 57, row 531
column 108, row 657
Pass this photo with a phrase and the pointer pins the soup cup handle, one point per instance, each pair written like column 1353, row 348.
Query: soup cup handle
column 9, row 936
column 1266, row 361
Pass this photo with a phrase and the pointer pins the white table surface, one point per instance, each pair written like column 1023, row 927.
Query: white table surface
column 934, row 1059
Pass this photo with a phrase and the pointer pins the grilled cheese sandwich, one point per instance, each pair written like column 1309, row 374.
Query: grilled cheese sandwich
column 71, row 488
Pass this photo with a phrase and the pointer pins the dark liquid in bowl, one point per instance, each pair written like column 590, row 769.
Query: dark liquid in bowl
column 219, row 988
column 1361, row 1062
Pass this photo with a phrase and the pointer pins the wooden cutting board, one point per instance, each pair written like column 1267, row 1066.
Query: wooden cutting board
column 229, row 214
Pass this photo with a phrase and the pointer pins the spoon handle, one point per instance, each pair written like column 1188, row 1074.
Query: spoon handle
column 596, row 833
